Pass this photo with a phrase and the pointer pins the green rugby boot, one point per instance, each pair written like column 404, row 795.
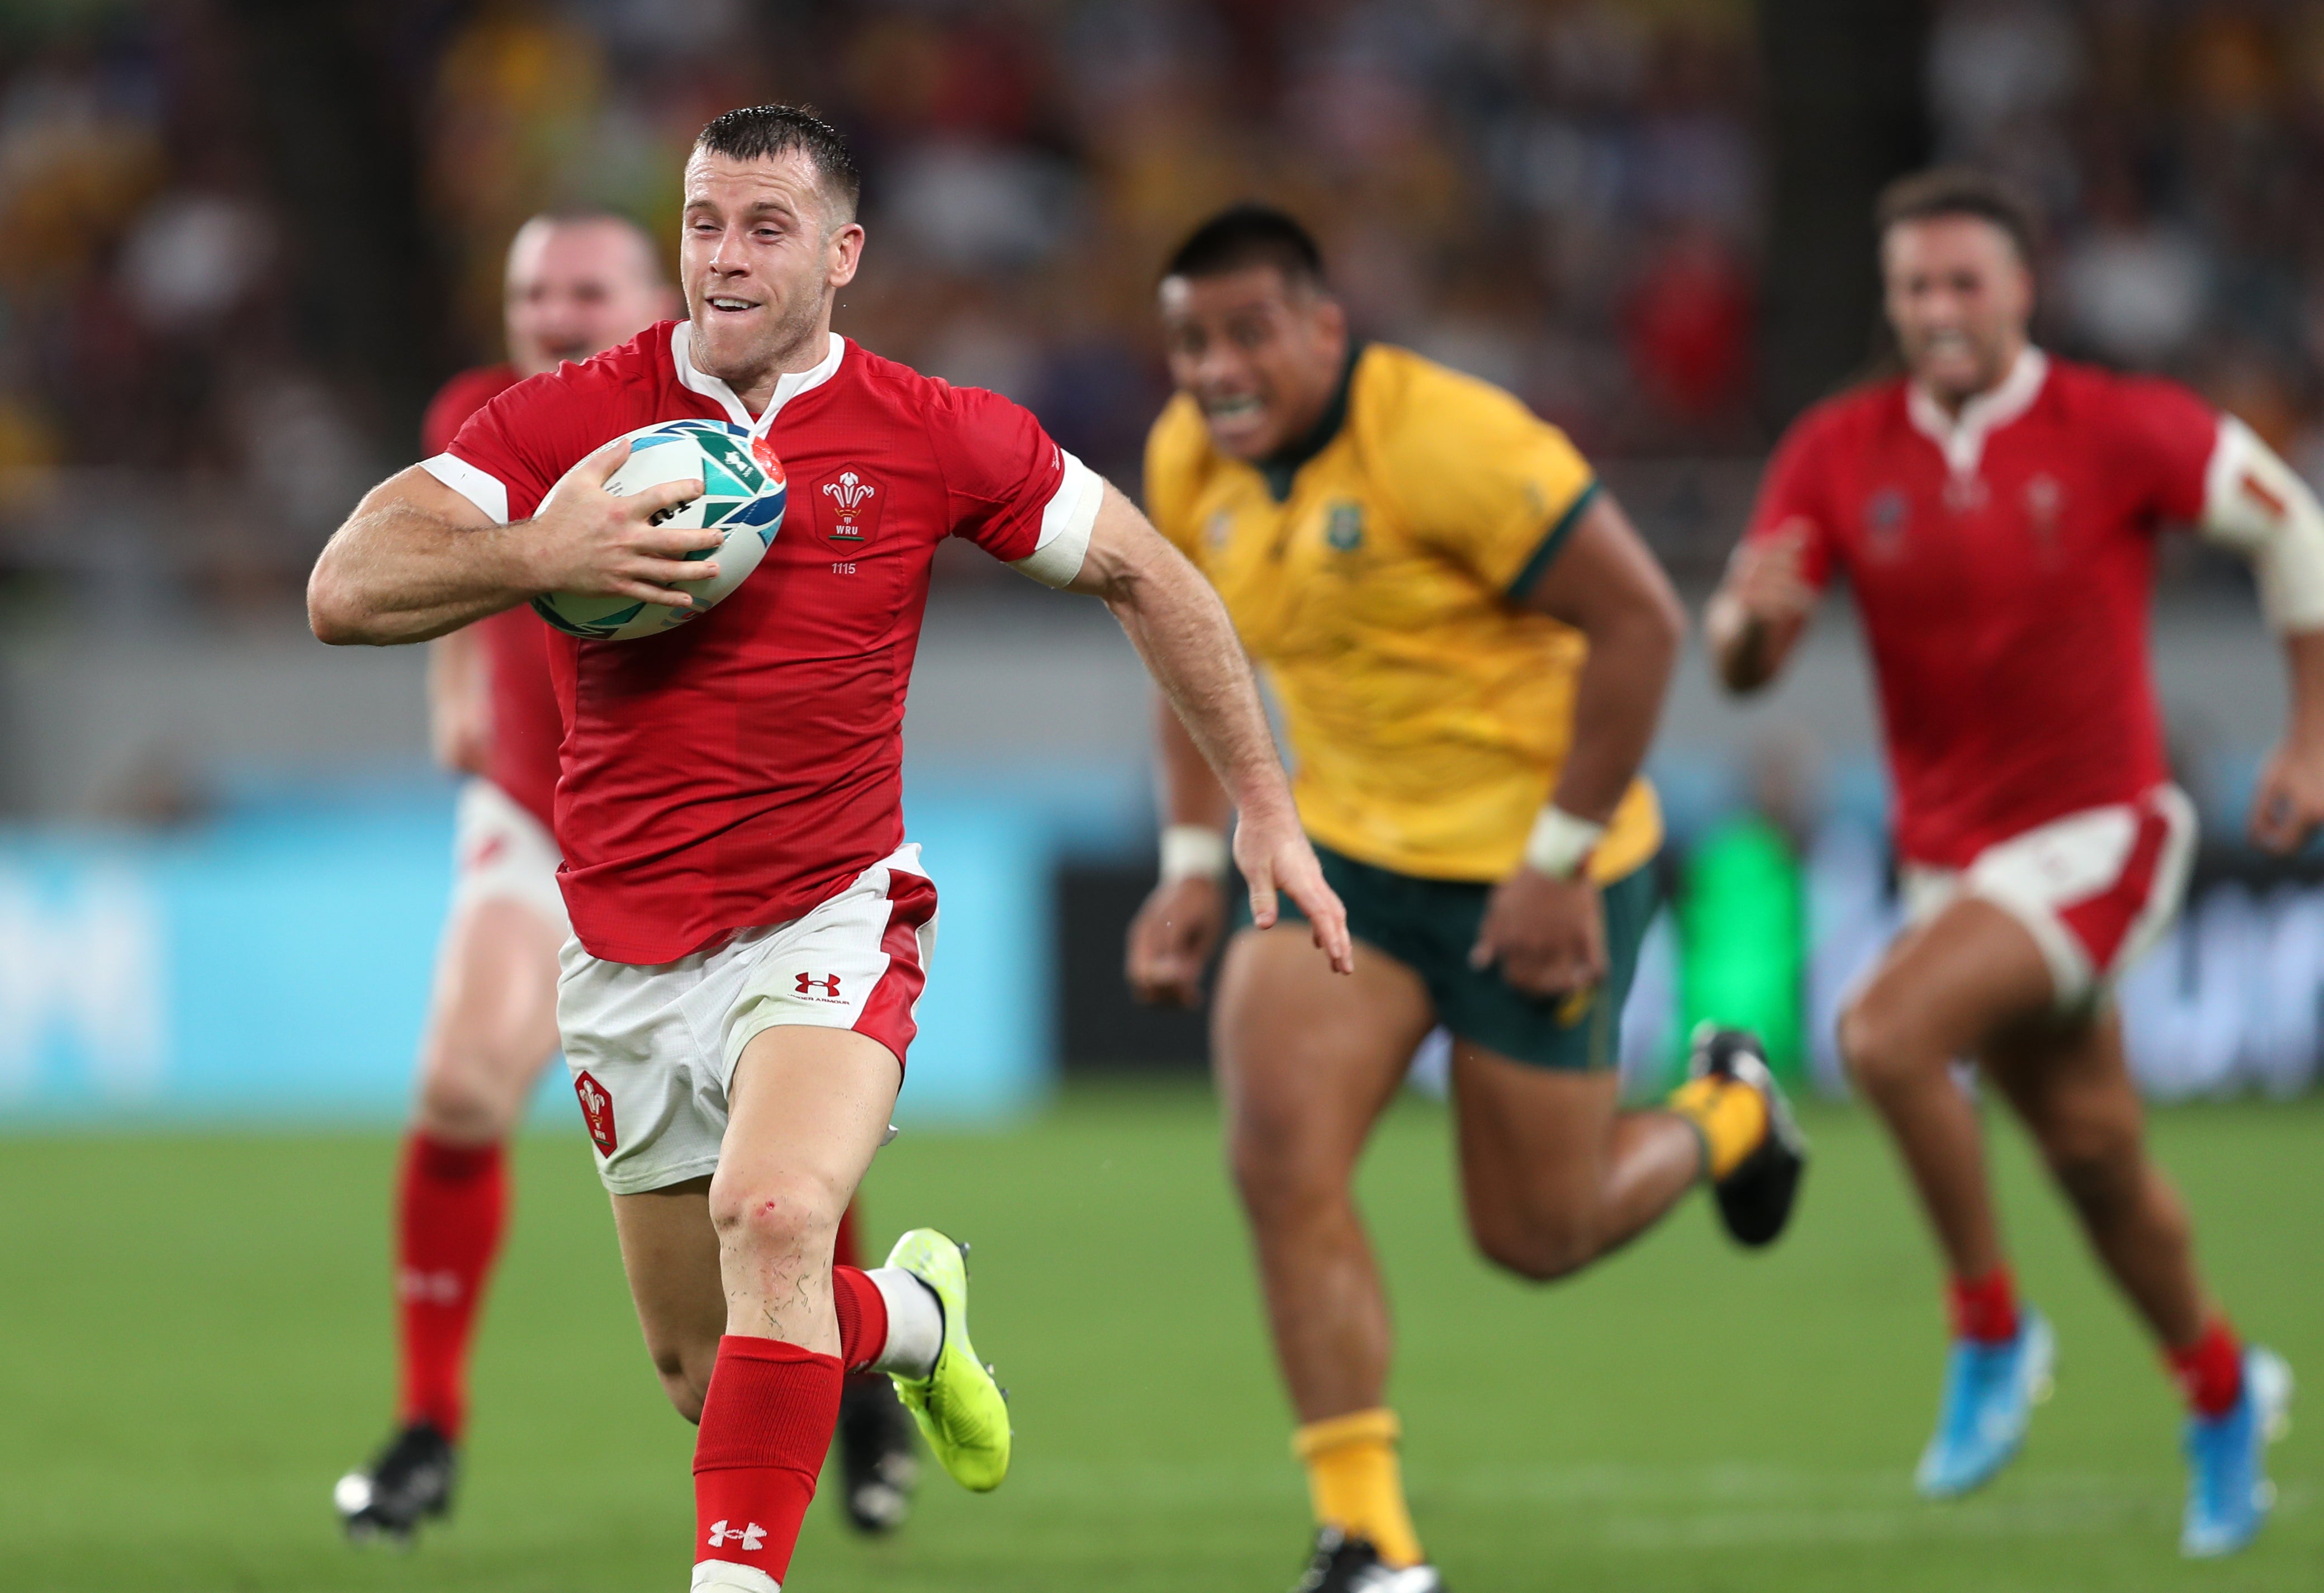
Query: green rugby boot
column 961, row 1409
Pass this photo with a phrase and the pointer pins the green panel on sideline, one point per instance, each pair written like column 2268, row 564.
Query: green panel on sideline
column 1742, row 923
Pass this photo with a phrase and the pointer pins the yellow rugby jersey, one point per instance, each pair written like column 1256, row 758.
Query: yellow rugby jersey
column 1428, row 712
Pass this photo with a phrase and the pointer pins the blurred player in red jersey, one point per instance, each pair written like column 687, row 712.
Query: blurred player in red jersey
column 1996, row 512
column 575, row 285
column 752, row 927
column 578, row 283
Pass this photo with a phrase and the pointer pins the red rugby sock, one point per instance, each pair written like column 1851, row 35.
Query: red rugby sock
column 451, row 1209
column 2210, row 1371
column 766, row 1426
column 1985, row 1309
column 863, row 1317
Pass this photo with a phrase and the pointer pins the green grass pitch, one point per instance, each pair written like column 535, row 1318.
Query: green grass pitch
column 196, row 1337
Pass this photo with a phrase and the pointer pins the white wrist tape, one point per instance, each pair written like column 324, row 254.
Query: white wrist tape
column 1193, row 851
column 1561, row 843
column 2254, row 503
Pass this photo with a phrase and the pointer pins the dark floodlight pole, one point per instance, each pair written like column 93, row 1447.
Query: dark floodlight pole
column 337, row 102
column 1847, row 112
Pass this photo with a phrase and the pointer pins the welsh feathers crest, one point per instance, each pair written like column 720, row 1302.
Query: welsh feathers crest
column 847, row 505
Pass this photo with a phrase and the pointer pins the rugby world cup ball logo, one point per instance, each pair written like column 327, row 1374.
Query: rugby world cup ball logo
column 847, row 505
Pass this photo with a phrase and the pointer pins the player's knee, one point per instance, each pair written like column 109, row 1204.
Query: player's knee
column 1539, row 1248
column 782, row 1214
column 1873, row 1045
column 457, row 1101
column 1276, row 1175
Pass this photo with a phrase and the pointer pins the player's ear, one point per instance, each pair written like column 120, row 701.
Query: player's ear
column 1331, row 316
column 846, row 252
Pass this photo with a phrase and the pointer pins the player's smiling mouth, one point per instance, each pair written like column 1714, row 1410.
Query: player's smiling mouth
column 1235, row 416
column 731, row 305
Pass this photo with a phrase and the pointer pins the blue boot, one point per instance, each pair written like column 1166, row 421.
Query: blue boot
column 1990, row 1393
column 2228, row 1494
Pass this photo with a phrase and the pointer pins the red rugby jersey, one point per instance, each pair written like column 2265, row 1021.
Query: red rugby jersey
column 2002, row 565
column 737, row 770
column 520, row 758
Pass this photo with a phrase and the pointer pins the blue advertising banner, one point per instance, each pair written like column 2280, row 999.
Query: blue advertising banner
column 276, row 966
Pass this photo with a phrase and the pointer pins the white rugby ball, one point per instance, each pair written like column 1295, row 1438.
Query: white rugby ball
column 743, row 492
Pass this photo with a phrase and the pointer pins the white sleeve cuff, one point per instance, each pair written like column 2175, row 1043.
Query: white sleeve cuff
column 2254, row 503
column 486, row 492
column 1065, row 526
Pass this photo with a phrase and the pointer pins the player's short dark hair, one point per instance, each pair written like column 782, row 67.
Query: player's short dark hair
column 757, row 133
column 1960, row 190
column 1244, row 235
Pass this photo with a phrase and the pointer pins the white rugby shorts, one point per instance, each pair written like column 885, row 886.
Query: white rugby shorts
column 501, row 853
column 2097, row 890
column 652, row 1049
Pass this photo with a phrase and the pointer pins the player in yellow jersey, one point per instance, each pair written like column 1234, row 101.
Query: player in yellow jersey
column 1469, row 646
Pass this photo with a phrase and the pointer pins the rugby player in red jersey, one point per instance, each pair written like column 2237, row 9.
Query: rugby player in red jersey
column 1996, row 512
column 576, row 284
column 752, row 927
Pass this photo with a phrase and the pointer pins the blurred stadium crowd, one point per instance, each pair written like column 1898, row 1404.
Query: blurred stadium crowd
column 1566, row 196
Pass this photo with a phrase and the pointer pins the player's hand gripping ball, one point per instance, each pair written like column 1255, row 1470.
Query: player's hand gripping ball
column 743, row 493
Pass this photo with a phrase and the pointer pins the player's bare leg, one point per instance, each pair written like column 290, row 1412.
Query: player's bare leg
column 808, row 1108
column 735, row 1288
column 2072, row 1084
column 669, row 1251
column 1968, row 979
column 492, row 1029
column 677, row 1252
column 1306, row 1061
column 1552, row 1174
column 1944, row 992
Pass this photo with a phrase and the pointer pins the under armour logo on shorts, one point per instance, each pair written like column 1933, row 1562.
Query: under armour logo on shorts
column 830, row 986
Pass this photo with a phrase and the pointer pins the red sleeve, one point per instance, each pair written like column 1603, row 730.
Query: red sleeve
column 2169, row 434
column 529, row 437
column 1793, row 499
column 1001, row 470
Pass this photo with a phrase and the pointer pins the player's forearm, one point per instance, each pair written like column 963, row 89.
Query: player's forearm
column 395, row 573
column 1179, row 627
column 1190, row 794
column 1618, row 704
column 2303, row 657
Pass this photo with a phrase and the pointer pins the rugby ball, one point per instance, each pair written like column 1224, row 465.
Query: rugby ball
column 743, row 493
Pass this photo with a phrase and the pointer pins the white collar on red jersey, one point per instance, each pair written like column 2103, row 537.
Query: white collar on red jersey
column 1962, row 439
column 787, row 386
